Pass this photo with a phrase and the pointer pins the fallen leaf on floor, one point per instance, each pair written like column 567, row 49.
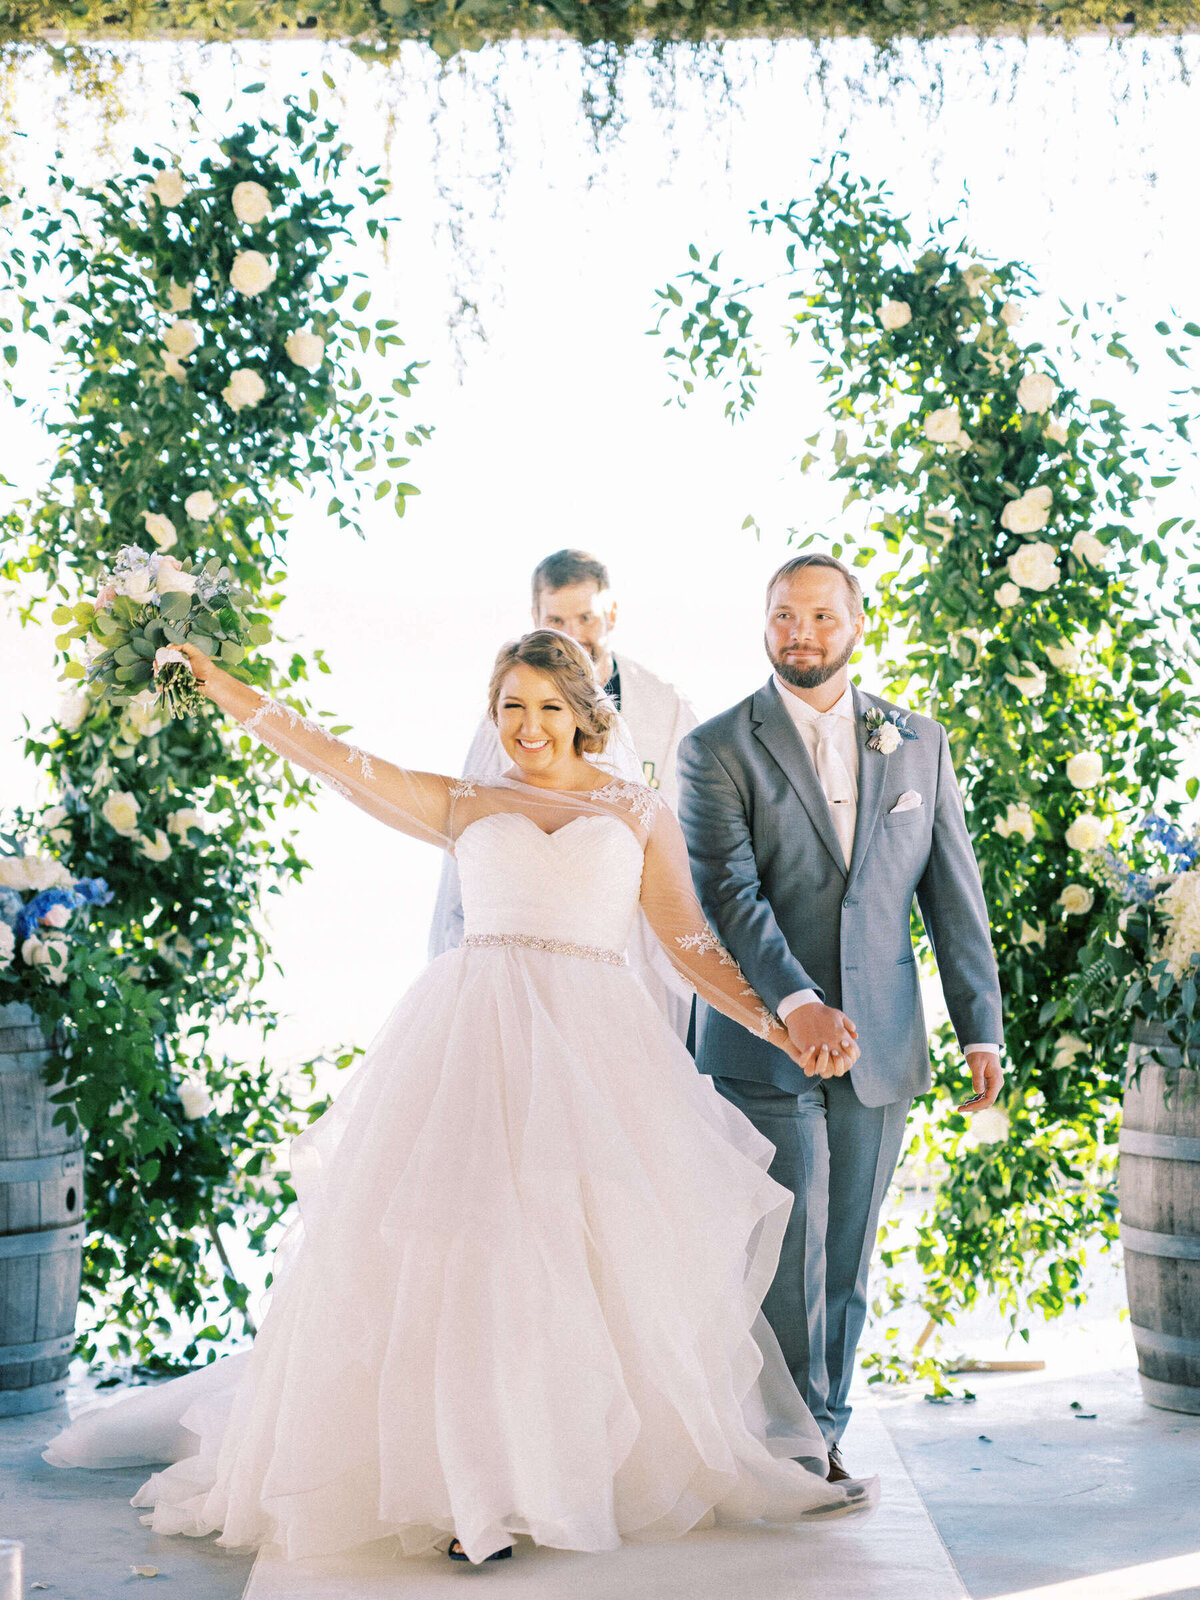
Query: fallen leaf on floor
column 1085, row 1416
column 39, row 1585
column 983, row 1439
column 144, row 1572
column 1076, row 1405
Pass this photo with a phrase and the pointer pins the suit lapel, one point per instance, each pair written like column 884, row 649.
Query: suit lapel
column 776, row 731
column 872, row 770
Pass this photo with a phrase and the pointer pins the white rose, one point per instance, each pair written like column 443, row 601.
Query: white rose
column 1076, row 898
column 8, row 944
column 56, row 917
column 200, row 505
column 1087, row 547
column 1010, row 313
column 195, row 1099
column 1067, row 1047
column 1007, row 595
column 1018, row 819
column 895, row 314
column 72, row 709
column 1032, row 933
column 48, row 954
column 1033, row 566
column 156, row 849
column 888, row 737
column 182, row 337
column 251, row 272
column 1030, row 512
column 180, row 821
column 1085, row 769
column 1066, row 657
column 1056, row 432
column 120, row 811
column 169, row 187
column 306, row 349
column 39, row 872
column 1087, row 832
column 989, row 1126
column 138, row 585
column 179, row 295
column 245, row 388
column 1036, row 392
column 1031, row 683
column 251, row 202
column 172, row 580
column 162, row 530
column 173, row 367
column 944, row 426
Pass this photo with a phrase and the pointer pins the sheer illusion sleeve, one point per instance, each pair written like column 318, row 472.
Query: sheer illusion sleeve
column 416, row 803
column 675, row 915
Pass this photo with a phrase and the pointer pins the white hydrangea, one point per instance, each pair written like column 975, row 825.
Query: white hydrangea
column 72, row 709
column 1180, row 903
column 1065, row 657
column 186, row 817
column 1066, row 1048
column 989, row 1126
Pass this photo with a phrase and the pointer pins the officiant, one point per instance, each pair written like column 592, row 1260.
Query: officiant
column 573, row 594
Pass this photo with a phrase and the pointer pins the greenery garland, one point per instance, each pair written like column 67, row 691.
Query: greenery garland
column 380, row 26
column 208, row 361
column 1053, row 636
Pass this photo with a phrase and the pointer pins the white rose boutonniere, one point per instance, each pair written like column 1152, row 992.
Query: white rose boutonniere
column 895, row 314
column 250, row 201
column 245, row 388
column 1076, row 899
column 251, row 272
column 1087, row 832
column 1085, row 770
column 306, row 349
column 887, row 731
column 1030, row 512
column 1033, row 566
column 1036, row 392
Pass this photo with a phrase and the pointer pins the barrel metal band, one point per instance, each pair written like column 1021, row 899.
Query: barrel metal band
column 42, row 1169
column 1171, row 1146
column 20, row 1402
column 1165, row 1344
column 533, row 941
column 43, row 1350
column 42, row 1243
column 1177, row 1246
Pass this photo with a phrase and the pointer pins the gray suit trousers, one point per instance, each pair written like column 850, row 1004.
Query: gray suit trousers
column 837, row 1157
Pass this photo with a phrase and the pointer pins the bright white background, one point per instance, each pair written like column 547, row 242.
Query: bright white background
column 1079, row 162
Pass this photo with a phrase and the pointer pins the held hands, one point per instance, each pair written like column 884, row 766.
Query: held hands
column 824, row 1040
column 986, row 1079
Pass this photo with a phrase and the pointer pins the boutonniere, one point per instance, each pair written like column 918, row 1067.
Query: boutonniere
column 887, row 731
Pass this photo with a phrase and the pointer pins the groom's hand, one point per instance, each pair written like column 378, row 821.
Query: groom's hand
column 825, row 1039
column 986, row 1080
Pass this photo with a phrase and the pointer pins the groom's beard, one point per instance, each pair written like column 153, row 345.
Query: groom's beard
column 811, row 677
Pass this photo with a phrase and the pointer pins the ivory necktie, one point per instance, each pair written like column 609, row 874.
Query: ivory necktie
column 836, row 782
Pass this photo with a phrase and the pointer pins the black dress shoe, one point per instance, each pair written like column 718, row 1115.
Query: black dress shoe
column 457, row 1553
column 837, row 1471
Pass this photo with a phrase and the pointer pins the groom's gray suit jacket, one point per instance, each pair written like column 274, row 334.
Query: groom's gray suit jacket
column 773, row 882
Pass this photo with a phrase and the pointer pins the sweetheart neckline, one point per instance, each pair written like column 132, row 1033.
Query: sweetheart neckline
column 491, row 816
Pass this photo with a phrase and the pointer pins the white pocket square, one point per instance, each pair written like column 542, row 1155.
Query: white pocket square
column 908, row 801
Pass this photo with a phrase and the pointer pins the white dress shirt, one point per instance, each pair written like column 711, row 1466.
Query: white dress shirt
column 831, row 739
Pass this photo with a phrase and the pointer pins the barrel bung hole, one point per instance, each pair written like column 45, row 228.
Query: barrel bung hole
column 71, row 1198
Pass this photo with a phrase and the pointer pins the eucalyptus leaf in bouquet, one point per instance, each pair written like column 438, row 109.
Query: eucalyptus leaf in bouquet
column 147, row 606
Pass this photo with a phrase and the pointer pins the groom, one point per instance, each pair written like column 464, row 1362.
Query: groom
column 813, row 819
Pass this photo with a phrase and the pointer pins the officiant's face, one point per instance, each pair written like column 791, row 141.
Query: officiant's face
column 536, row 725
column 586, row 615
column 812, row 630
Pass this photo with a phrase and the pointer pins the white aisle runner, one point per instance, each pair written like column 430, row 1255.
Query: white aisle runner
column 896, row 1554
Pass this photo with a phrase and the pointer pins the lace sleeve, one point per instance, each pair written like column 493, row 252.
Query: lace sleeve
column 416, row 803
column 693, row 949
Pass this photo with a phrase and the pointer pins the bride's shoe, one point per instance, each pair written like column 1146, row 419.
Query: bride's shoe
column 457, row 1553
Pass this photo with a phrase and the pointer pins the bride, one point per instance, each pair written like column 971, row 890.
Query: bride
column 523, row 1294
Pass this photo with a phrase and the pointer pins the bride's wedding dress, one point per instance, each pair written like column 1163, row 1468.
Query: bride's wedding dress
column 523, row 1294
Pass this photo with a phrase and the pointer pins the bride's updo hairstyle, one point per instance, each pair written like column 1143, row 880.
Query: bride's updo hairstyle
column 569, row 667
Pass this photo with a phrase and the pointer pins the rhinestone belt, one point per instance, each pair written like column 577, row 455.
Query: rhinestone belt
column 531, row 941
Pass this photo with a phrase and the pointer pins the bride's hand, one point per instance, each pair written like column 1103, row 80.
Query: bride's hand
column 202, row 667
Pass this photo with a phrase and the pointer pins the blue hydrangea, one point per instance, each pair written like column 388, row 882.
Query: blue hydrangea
column 1183, row 848
column 93, row 891
column 11, row 906
column 37, row 908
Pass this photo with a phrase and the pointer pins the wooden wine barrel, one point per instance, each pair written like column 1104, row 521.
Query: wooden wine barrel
column 1160, row 1223
column 41, row 1224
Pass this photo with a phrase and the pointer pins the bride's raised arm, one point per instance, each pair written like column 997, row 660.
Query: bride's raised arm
column 417, row 803
column 675, row 915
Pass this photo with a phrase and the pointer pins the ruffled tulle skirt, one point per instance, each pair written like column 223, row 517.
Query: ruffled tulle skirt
column 522, row 1298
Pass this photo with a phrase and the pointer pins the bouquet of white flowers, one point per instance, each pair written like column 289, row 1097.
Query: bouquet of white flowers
column 38, row 897
column 148, row 605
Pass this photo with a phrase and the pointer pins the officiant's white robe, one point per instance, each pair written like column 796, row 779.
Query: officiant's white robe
column 657, row 717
